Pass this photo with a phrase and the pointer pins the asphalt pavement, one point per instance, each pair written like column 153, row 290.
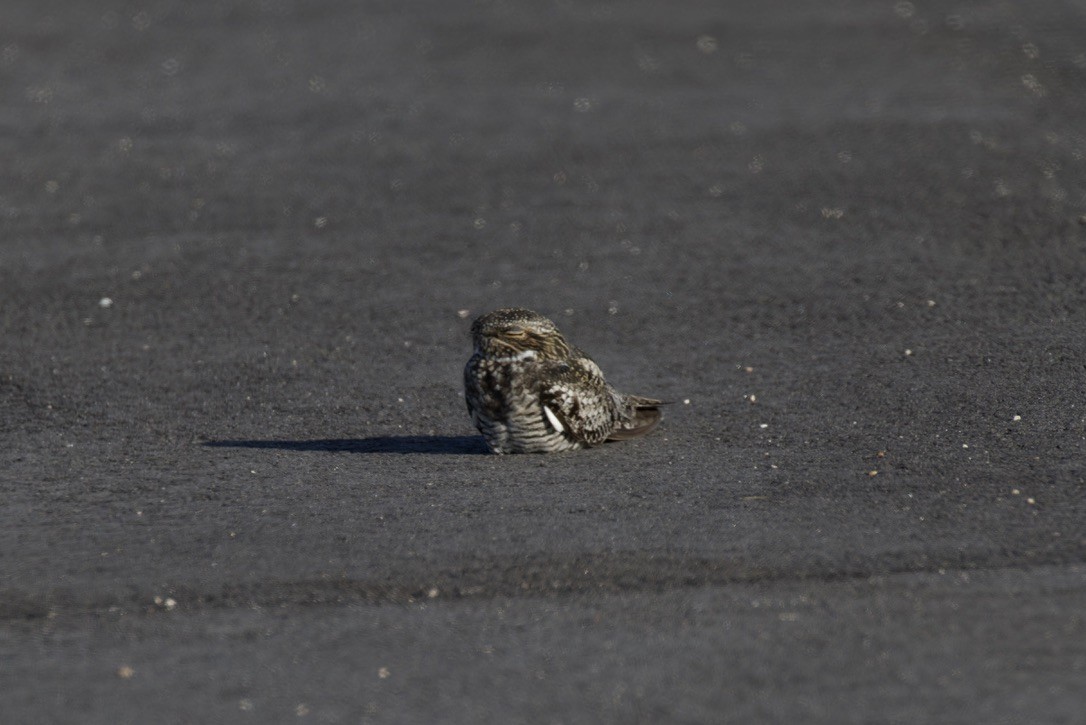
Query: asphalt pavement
column 241, row 244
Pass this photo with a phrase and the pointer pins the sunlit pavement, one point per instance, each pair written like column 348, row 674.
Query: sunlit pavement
column 242, row 245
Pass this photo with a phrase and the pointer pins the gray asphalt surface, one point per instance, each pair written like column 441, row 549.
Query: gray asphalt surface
column 241, row 246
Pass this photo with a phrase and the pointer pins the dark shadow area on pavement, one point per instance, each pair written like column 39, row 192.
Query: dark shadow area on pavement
column 464, row 445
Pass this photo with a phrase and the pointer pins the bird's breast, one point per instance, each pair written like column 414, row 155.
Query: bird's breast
column 504, row 396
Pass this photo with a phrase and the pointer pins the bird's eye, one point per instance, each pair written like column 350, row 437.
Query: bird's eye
column 515, row 332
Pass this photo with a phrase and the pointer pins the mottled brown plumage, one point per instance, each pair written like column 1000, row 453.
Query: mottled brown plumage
column 529, row 391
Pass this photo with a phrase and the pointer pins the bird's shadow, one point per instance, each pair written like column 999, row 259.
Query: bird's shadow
column 448, row 445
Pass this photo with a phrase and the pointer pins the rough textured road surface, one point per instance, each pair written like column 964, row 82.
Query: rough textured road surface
column 241, row 246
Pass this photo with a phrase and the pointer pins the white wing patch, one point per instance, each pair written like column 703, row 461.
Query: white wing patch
column 554, row 420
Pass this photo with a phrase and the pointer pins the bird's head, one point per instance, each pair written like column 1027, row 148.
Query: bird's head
column 512, row 331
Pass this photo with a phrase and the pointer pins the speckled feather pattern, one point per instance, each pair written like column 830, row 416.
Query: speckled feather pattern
column 529, row 391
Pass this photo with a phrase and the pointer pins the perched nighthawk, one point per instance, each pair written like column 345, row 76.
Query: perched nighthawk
column 530, row 391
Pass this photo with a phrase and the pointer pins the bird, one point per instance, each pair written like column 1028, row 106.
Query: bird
column 529, row 391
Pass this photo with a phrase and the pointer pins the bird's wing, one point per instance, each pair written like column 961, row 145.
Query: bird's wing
column 577, row 402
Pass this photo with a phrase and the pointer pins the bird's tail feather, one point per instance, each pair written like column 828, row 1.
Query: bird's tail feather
column 644, row 416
